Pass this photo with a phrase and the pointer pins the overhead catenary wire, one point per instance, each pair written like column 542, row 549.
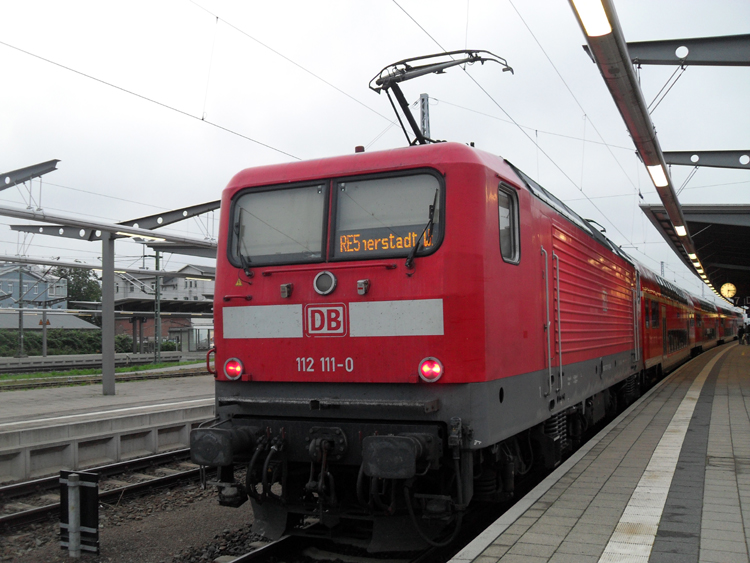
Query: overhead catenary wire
column 291, row 61
column 583, row 150
column 109, row 196
column 379, row 135
column 554, row 163
column 534, row 129
column 419, row 25
column 570, row 91
column 151, row 100
column 388, row 128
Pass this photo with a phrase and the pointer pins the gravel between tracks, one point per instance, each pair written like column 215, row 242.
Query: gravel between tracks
column 181, row 525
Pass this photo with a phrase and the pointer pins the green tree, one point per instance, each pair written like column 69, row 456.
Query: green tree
column 83, row 285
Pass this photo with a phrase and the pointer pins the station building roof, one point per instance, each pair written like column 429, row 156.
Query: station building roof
column 32, row 320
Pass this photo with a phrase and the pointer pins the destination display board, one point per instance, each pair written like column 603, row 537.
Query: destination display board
column 385, row 217
column 382, row 240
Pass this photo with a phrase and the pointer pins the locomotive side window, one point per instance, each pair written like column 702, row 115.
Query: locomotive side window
column 508, row 215
column 278, row 226
column 386, row 216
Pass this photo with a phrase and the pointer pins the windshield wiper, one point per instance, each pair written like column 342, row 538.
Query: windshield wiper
column 427, row 229
column 244, row 260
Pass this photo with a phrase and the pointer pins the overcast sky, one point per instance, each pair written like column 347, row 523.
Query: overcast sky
column 156, row 105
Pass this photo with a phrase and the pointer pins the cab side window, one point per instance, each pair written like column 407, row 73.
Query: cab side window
column 510, row 248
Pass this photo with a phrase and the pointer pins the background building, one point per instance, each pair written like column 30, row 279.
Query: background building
column 34, row 285
column 137, row 292
column 180, row 299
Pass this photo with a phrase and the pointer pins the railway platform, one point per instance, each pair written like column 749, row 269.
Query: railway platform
column 668, row 481
column 48, row 429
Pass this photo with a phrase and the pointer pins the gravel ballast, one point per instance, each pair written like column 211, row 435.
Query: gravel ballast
column 181, row 525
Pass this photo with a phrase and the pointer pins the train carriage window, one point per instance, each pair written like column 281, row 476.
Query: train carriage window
column 647, row 309
column 386, row 216
column 508, row 221
column 654, row 314
column 278, row 226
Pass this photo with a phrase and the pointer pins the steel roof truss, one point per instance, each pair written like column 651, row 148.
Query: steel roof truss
column 10, row 179
column 167, row 218
column 726, row 50
column 65, row 231
column 714, row 159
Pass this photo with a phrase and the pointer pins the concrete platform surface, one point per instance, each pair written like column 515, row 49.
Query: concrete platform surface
column 666, row 482
column 45, row 430
column 42, row 407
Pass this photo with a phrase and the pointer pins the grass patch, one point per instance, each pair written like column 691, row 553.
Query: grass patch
column 91, row 371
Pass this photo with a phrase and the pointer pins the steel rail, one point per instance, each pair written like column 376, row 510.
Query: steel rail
column 43, row 512
column 15, row 490
column 283, row 545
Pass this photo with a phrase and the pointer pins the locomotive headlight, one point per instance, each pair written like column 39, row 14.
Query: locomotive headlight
column 430, row 370
column 233, row 368
column 324, row 283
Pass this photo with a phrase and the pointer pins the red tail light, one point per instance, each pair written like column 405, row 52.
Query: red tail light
column 233, row 368
column 430, row 370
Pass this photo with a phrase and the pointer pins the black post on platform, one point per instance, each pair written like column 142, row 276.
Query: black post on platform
column 87, row 514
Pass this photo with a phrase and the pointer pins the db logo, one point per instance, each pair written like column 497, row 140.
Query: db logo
column 325, row 320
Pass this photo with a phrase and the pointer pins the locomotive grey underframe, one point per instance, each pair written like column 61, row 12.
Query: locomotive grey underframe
column 526, row 401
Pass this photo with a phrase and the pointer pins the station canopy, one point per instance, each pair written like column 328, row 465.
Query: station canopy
column 710, row 239
column 721, row 234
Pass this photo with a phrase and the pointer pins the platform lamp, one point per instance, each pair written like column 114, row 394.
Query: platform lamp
column 608, row 49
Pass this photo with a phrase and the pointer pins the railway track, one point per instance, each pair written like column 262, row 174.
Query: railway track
column 33, row 364
column 18, row 510
column 312, row 545
column 295, row 549
column 63, row 381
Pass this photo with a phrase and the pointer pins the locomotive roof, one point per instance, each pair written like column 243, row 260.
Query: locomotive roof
column 433, row 155
column 550, row 199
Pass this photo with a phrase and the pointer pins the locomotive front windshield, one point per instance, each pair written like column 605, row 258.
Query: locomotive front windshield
column 385, row 217
column 279, row 226
column 372, row 218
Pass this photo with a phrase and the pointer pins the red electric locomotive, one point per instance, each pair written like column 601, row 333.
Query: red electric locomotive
column 399, row 333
